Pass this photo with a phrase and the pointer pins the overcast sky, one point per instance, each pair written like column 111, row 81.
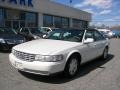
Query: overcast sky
column 103, row 11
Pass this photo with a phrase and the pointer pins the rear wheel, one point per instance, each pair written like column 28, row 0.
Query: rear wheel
column 72, row 66
column 105, row 53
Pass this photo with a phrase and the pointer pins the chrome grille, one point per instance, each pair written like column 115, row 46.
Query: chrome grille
column 23, row 56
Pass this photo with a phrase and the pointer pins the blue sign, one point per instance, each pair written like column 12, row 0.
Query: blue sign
column 20, row 2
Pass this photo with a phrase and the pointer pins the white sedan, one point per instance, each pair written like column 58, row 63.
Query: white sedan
column 63, row 50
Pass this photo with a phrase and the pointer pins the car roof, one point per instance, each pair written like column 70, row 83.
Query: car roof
column 91, row 29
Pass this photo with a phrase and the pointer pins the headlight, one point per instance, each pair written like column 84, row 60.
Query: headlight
column 49, row 58
column 2, row 40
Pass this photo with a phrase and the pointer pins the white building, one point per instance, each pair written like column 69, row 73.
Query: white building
column 33, row 13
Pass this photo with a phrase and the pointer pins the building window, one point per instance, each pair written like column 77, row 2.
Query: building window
column 17, row 19
column 47, row 21
column 31, row 19
column 65, row 22
column 12, row 14
column 85, row 24
column 57, row 22
column 1, row 17
column 77, row 23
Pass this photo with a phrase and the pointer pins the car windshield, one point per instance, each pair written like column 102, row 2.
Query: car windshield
column 6, row 31
column 66, row 35
column 37, row 31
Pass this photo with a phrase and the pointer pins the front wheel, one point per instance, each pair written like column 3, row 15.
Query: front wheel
column 72, row 67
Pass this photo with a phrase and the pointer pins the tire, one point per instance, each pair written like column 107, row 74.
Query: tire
column 72, row 67
column 105, row 54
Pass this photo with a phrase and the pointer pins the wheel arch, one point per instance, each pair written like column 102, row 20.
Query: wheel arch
column 77, row 53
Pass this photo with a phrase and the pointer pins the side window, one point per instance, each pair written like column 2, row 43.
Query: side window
column 25, row 30
column 89, row 34
column 56, row 36
column 67, row 35
column 98, row 36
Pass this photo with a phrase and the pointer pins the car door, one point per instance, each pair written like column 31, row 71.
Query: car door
column 100, row 42
column 89, row 48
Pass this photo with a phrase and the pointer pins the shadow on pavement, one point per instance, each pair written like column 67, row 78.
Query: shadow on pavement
column 59, row 79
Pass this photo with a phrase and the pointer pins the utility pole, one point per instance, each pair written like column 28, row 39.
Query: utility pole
column 70, row 1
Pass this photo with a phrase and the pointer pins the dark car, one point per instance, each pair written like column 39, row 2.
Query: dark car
column 32, row 33
column 8, row 38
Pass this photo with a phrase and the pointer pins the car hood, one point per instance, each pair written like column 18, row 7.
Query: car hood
column 45, row 46
column 11, row 36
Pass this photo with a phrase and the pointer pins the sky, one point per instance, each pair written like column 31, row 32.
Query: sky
column 103, row 11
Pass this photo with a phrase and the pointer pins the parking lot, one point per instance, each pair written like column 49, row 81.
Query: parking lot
column 96, row 75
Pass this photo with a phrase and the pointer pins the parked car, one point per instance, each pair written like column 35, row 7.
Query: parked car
column 63, row 50
column 107, row 33
column 34, row 32
column 8, row 38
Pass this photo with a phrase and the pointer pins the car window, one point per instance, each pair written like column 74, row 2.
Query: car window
column 98, row 36
column 25, row 30
column 45, row 30
column 89, row 34
column 66, row 35
column 72, row 36
column 35, row 31
column 6, row 31
column 55, row 36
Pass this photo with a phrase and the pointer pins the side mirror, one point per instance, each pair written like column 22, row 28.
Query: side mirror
column 88, row 40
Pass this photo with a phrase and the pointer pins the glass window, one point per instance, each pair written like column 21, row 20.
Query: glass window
column 1, row 18
column 47, row 21
column 89, row 34
column 12, row 14
column 58, row 22
column 31, row 19
column 66, row 35
column 80, row 23
column 6, row 31
column 22, row 23
column 85, row 24
column 22, row 15
column 25, row 30
column 98, row 36
column 65, row 22
column 8, row 24
column 77, row 23
column 17, row 19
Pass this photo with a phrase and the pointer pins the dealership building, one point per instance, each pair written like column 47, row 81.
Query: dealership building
column 34, row 13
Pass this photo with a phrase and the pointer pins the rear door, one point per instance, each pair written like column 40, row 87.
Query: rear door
column 100, row 42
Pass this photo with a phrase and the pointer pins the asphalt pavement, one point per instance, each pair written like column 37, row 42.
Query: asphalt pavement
column 95, row 75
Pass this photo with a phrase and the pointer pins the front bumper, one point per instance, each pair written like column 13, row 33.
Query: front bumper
column 37, row 67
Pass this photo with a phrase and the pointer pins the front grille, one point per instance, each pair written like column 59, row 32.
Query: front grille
column 23, row 56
